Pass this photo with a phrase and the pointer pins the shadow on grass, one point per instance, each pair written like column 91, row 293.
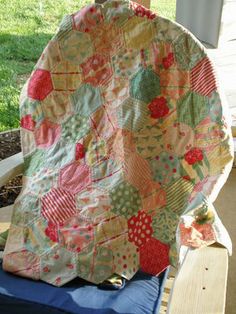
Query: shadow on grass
column 23, row 48
column 18, row 55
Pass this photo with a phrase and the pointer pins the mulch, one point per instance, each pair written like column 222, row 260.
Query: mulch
column 10, row 145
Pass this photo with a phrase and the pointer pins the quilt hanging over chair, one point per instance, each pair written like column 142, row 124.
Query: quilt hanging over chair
column 126, row 144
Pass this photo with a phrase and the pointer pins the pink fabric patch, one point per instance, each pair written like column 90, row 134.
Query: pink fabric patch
column 57, row 206
column 202, row 78
column 79, row 151
column 27, row 122
column 94, row 63
column 154, row 257
column 76, row 234
column 87, row 18
column 141, row 11
column 75, row 177
column 47, row 134
column 52, row 232
column 40, row 85
column 197, row 235
column 23, row 263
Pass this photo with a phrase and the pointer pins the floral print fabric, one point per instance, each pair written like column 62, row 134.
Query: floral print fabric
column 126, row 144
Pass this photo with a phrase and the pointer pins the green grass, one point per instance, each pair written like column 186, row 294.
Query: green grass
column 25, row 28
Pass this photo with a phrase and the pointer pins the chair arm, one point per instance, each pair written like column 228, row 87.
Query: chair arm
column 200, row 285
column 10, row 167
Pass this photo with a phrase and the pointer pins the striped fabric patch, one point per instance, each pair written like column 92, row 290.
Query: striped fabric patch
column 177, row 194
column 64, row 28
column 138, row 173
column 58, row 205
column 202, row 78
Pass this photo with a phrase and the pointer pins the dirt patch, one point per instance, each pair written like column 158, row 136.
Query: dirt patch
column 10, row 145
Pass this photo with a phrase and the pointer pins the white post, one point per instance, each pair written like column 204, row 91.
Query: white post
column 201, row 17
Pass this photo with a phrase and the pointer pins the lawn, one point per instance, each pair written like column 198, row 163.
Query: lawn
column 25, row 28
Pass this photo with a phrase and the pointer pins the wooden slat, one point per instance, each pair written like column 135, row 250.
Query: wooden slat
column 10, row 167
column 169, row 283
column 200, row 285
column 5, row 217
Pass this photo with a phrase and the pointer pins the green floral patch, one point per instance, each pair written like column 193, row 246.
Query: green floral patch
column 187, row 51
column 34, row 162
column 35, row 239
column 126, row 63
column 165, row 168
column 103, row 266
column 145, row 85
column 125, row 200
column 107, row 174
column 149, row 141
column 75, row 128
column 85, row 261
column 164, row 225
column 215, row 107
column 192, row 109
column 132, row 114
column 26, row 210
column 71, row 48
column 121, row 15
column 86, row 99
column 60, row 154
column 58, row 266
column 33, row 107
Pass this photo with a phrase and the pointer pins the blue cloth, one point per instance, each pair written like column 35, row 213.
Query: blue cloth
column 141, row 295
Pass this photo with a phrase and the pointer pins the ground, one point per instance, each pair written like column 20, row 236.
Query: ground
column 9, row 145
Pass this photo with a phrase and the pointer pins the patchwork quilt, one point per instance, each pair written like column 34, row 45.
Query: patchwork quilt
column 126, row 144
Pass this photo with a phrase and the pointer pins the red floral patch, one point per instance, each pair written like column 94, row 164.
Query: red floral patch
column 197, row 235
column 87, row 18
column 93, row 63
column 193, row 156
column 51, row 232
column 27, row 122
column 79, row 151
column 40, row 84
column 141, row 11
column 158, row 107
column 100, row 77
column 140, row 229
column 168, row 61
column 154, row 257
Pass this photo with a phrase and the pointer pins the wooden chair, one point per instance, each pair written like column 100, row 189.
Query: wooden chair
column 199, row 285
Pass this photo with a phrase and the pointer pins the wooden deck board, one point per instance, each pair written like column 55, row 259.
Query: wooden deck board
column 5, row 217
column 224, row 59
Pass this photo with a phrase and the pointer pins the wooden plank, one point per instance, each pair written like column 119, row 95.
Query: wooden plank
column 5, row 217
column 200, row 285
column 10, row 167
column 169, row 283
